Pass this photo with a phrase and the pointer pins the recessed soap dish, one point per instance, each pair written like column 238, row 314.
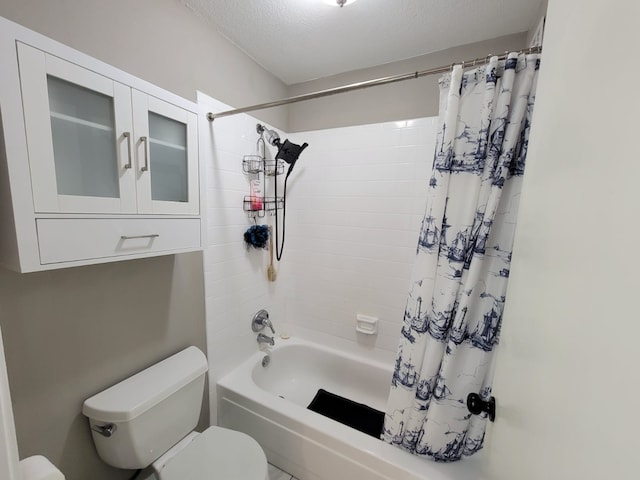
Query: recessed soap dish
column 366, row 324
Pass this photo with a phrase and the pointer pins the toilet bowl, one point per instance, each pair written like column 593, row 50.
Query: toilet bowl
column 216, row 453
column 148, row 420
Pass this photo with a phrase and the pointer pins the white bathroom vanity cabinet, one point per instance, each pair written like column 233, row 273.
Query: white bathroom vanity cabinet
column 99, row 165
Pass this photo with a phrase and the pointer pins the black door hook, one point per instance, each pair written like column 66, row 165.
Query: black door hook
column 476, row 405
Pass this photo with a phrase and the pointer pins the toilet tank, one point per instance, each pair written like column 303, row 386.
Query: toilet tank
column 150, row 411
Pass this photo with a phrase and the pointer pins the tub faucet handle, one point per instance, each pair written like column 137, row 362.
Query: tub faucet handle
column 267, row 323
column 261, row 320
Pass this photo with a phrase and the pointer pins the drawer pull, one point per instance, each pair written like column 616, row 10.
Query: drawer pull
column 130, row 237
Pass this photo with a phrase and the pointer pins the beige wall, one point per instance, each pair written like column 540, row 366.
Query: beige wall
column 567, row 371
column 160, row 41
column 397, row 101
column 72, row 332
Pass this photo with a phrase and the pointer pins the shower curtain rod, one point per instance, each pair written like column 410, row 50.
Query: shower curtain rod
column 360, row 85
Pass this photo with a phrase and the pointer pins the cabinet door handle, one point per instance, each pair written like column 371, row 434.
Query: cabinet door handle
column 130, row 237
column 145, row 142
column 127, row 135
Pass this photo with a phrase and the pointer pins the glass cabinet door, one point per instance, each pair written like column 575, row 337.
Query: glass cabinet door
column 78, row 126
column 84, row 140
column 166, row 156
column 169, row 164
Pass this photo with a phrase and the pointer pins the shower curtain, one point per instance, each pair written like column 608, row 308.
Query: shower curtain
column 454, row 307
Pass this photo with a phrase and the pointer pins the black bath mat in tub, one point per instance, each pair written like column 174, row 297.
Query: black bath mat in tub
column 355, row 415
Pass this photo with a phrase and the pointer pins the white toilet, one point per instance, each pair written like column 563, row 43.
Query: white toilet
column 148, row 420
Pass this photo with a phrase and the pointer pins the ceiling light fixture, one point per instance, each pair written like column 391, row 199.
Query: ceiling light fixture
column 339, row 3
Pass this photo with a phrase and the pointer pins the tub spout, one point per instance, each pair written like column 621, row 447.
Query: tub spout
column 262, row 338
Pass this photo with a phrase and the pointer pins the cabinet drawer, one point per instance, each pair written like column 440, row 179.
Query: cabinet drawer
column 66, row 240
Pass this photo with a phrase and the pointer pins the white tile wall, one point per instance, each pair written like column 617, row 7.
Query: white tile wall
column 235, row 279
column 354, row 205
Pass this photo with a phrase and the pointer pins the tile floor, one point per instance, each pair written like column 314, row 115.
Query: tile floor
column 276, row 474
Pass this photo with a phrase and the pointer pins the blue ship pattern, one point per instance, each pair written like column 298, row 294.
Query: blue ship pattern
column 404, row 372
column 424, row 392
column 437, row 325
column 429, row 233
column 451, row 452
column 453, row 314
column 485, row 335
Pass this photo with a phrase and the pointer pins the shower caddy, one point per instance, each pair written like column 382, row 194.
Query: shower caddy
column 256, row 204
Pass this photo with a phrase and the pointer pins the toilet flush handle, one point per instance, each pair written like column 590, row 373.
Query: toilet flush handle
column 104, row 430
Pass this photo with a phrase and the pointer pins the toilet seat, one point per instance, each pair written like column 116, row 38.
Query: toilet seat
column 217, row 454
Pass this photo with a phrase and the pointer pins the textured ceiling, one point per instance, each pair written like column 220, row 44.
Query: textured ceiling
column 299, row 40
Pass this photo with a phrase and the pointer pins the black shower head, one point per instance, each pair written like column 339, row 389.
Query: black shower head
column 289, row 152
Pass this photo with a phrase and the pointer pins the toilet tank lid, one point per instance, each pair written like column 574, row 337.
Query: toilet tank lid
column 137, row 394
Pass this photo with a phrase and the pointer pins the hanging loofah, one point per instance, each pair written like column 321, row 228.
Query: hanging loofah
column 257, row 236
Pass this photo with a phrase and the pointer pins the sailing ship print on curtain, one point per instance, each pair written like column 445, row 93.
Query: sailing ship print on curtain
column 454, row 308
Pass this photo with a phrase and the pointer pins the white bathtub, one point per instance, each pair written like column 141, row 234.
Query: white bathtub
column 270, row 405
